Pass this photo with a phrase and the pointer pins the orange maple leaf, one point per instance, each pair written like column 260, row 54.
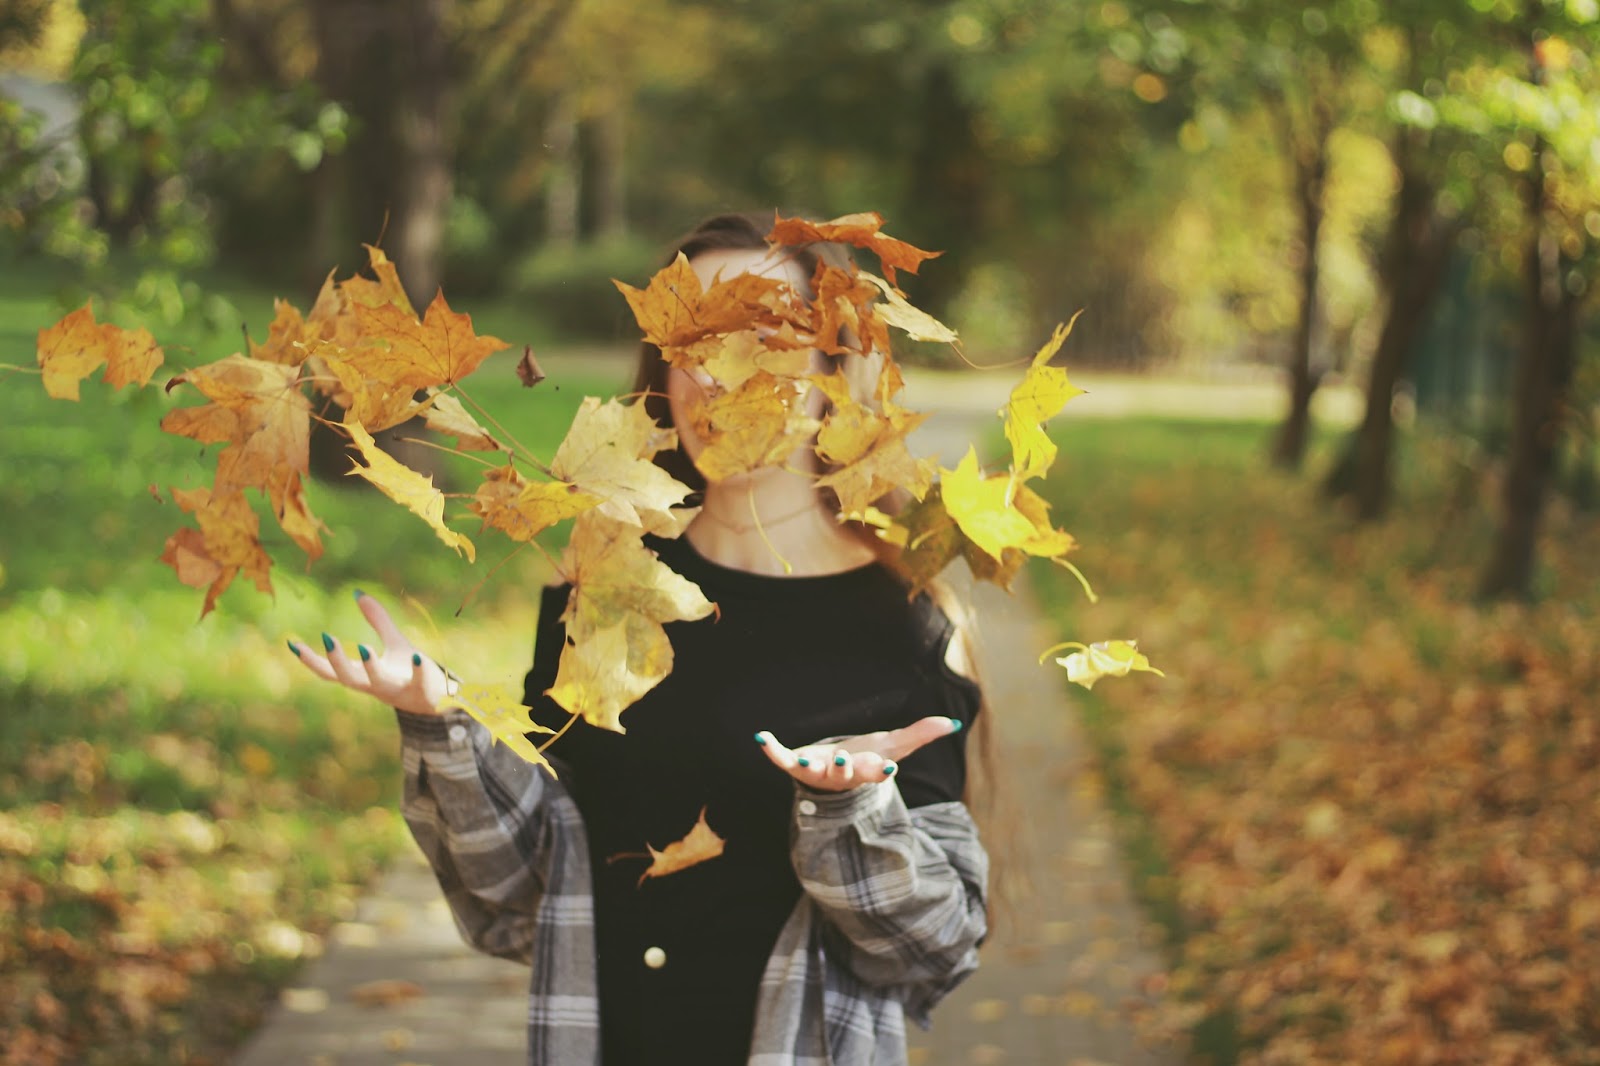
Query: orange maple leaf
column 862, row 230
column 226, row 543
column 77, row 346
column 697, row 846
column 521, row 509
column 438, row 350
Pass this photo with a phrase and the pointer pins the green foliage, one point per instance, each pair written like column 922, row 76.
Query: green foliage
column 571, row 288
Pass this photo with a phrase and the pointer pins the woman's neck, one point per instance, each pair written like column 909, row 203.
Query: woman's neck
column 759, row 521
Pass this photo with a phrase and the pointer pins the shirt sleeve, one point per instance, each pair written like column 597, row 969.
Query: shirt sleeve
column 485, row 819
column 901, row 890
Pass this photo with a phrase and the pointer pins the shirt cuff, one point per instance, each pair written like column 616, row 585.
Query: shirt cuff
column 450, row 731
column 830, row 810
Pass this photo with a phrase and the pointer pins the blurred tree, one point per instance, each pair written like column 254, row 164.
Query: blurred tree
column 1545, row 119
column 1302, row 63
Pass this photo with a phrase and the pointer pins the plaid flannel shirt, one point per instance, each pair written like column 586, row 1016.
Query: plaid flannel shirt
column 889, row 920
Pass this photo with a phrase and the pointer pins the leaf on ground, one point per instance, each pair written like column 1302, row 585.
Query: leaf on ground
column 864, row 230
column 499, row 708
column 1038, row 397
column 616, row 647
column 441, row 349
column 697, row 846
column 405, row 486
column 76, row 346
column 387, row 992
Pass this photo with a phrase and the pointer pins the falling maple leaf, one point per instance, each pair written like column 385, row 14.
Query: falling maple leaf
column 528, row 370
column 501, row 711
column 440, row 349
column 868, row 448
column 760, row 423
column 863, row 230
column 911, row 320
column 616, row 648
column 609, row 453
column 76, row 346
column 405, row 486
column 227, row 543
column 699, row 845
column 1110, row 658
column 522, row 509
column 1038, row 397
column 996, row 513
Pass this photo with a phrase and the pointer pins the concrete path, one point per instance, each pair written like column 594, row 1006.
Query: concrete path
column 1063, row 967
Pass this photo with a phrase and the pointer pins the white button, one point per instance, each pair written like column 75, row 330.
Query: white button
column 458, row 733
column 655, row 958
column 807, row 807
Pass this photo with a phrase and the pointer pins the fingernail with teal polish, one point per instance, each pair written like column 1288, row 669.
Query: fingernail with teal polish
column 839, row 760
column 359, row 594
column 366, row 652
column 802, row 760
column 955, row 725
column 327, row 642
column 761, row 740
column 294, row 649
column 888, row 768
column 416, row 660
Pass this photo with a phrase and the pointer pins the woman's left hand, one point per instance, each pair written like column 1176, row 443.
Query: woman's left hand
column 840, row 765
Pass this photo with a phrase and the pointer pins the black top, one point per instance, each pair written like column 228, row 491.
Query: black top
column 805, row 657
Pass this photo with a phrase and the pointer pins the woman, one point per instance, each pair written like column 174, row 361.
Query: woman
column 851, row 891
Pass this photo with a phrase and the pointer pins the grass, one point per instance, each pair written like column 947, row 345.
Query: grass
column 1320, row 800
column 184, row 811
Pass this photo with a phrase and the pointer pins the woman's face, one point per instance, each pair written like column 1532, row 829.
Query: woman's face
column 687, row 388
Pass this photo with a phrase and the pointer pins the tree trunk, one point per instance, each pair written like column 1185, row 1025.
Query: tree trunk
column 611, row 181
column 1311, row 176
column 1543, row 373
column 948, row 185
column 427, row 160
column 1413, row 269
column 563, row 185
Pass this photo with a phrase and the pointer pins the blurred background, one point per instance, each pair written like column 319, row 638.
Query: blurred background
column 1337, row 262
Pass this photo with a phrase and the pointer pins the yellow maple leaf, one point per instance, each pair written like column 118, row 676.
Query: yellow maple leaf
column 386, row 290
column 1109, row 658
column 1039, row 396
column 868, row 448
column 257, row 408
column 405, row 486
column 377, row 405
column 501, row 711
column 911, row 320
column 438, row 350
column 996, row 513
column 289, row 336
column 608, row 453
column 522, row 509
column 758, row 424
column 616, row 647
column 76, row 346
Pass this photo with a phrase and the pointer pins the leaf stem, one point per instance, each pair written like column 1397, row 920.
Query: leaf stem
column 472, row 593
column 1057, row 647
column 449, row 451
column 527, row 453
column 558, row 734
column 1087, row 591
column 22, row 369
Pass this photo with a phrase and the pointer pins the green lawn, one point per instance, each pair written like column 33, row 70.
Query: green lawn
column 183, row 809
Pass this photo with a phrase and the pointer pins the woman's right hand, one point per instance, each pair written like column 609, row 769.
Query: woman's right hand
column 395, row 673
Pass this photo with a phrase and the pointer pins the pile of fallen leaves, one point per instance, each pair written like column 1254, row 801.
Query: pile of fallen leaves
column 1378, row 803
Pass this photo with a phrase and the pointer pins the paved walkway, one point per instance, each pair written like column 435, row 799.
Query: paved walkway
column 1066, row 960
